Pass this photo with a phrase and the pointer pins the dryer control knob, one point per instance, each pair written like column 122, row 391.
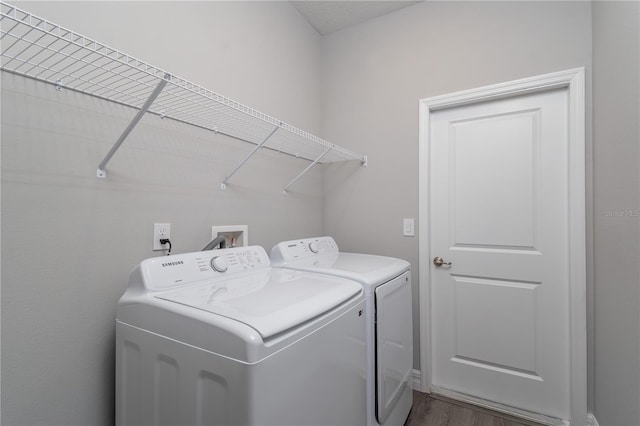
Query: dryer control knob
column 220, row 264
column 313, row 246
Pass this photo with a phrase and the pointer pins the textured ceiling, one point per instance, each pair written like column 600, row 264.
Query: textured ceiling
column 330, row 16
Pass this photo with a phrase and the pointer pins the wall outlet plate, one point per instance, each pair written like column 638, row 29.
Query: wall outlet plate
column 160, row 231
column 234, row 235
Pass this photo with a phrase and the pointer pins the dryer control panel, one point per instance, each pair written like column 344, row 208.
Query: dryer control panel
column 288, row 251
column 160, row 273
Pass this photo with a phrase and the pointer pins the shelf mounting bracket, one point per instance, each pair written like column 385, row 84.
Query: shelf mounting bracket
column 223, row 185
column 284, row 190
column 102, row 173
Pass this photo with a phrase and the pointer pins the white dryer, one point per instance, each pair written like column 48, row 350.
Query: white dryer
column 221, row 338
column 387, row 285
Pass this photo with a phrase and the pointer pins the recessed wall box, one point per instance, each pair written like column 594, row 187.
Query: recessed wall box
column 234, row 235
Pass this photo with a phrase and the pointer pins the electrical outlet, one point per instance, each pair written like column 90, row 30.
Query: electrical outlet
column 160, row 231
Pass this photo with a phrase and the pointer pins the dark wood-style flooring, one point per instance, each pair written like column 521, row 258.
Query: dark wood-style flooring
column 430, row 410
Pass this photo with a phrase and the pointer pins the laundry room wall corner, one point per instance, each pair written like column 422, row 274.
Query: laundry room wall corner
column 616, row 213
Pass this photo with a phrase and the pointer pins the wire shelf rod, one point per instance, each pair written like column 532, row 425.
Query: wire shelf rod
column 101, row 167
column 29, row 47
column 140, row 66
column 223, row 185
column 63, row 58
column 71, row 87
column 196, row 104
column 53, row 54
column 73, row 77
column 4, row 33
column 142, row 85
column 284, row 190
column 17, row 40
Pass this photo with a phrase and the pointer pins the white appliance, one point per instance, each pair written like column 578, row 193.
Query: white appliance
column 221, row 338
column 387, row 285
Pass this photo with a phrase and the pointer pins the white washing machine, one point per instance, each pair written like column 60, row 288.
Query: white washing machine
column 387, row 285
column 221, row 338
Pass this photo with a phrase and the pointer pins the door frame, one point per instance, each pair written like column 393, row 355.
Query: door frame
column 574, row 81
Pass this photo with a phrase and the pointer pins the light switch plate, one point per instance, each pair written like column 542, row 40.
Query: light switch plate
column 408, row 227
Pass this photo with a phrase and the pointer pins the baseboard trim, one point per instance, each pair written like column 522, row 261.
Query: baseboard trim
column 526, row 416
column 417, row 385
column 416, row 381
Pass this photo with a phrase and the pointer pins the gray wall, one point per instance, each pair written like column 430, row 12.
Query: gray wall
column 372, row 78
column 69, row 240
column 616, row 135
column 374, row 75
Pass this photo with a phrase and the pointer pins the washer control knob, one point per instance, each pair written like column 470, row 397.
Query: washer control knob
column 313, row 246
column 220, row 264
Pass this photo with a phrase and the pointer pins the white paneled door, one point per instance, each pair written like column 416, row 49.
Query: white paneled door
column 499, row 247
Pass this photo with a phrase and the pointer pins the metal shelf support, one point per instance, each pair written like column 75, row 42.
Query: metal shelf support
column 223, row 185
column 102, row 173
column 284, row 190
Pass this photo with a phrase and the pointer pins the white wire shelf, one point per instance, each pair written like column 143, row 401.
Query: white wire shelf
column 39, row 49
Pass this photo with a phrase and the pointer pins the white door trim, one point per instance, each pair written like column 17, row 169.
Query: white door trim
column 573, row 80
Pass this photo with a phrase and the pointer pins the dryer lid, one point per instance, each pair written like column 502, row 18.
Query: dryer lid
column 367, row 269
column 270, row 301
column 322, row 255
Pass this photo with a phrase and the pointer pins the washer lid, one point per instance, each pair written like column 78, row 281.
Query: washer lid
column 270, row 301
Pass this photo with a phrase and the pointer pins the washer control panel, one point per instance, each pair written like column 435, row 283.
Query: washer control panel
column 219, row 263
column 288, row 251
column 238, row 259
column 161, row 273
